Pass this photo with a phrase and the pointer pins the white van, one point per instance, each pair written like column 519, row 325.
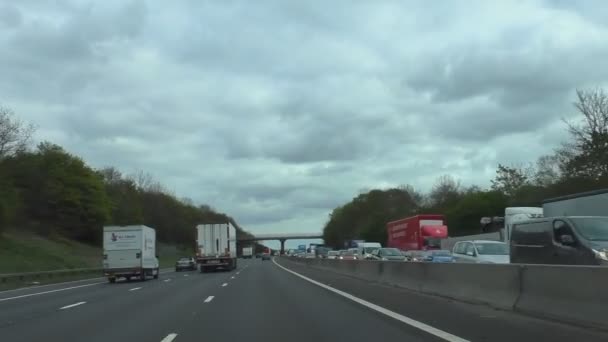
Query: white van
column 129, row 252
column 365, row 249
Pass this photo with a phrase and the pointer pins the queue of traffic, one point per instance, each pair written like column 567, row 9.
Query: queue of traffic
column 477, row 251
column 569, row 230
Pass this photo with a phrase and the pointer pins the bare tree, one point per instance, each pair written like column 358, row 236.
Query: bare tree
column 187, row 201
column 143, row 180
column 547, row 170
column 111, row 175
column 15, row 135
column 587, row 153
column 416, row 196
column 445, row 190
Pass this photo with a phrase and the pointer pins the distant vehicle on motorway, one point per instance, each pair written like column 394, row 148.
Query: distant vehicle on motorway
column 247, row 252
column 129, row 252
column 258, row 255
column 216, row 246
column 481, row 251
column 349, row 254
column 265, row 256
column 437, row 255
column 321, row 252
column 387, row 254
column 364, row 249
column 574, row 240
column 333, row 254
column 185, row 264
column 420, row 232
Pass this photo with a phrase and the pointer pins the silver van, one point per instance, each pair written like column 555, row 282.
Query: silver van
column 481, row 251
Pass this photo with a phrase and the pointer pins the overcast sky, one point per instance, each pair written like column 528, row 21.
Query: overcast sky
column 278, row 111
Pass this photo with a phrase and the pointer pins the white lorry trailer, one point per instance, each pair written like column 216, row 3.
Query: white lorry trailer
column 515, row 215
column 592, row 203
column 129, row 252
column 247, row 252
column 216, row 246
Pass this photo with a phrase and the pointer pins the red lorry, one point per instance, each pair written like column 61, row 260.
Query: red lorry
column 420, row 232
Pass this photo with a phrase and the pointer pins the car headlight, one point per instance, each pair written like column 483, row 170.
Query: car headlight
column 385, row 259
column 602, row 255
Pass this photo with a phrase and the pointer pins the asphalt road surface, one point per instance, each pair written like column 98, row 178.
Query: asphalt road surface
column 260, row 301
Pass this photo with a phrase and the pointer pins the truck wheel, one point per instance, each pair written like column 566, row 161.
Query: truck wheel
column 156, row 273
column 142, row 276
column 112, row 280
column 128, row 278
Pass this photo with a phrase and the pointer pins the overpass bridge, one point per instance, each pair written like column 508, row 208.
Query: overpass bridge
column 282, row 237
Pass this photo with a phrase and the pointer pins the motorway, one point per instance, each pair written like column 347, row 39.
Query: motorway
column 260, row 301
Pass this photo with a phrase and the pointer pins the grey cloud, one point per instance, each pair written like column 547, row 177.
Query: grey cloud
column 511, row 78
column 10, row 16
column 278, row 112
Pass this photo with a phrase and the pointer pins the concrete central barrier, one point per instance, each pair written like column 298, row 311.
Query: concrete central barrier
column 572, row 294
column 494, row 285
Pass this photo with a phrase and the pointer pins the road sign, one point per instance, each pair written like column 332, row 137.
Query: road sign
column 301, row 247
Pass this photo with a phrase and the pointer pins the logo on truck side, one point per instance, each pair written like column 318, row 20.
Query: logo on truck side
column 114, row 237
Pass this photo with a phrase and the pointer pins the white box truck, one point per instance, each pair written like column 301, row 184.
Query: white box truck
column 515, row 215
column 592, row 203
column 216, row 246
column 129, row 252
column 247, row 252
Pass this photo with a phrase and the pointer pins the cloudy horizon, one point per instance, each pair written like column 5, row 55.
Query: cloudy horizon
column 278, row 112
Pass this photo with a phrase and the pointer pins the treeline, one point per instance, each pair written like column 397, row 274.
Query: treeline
column 49, row 191
column 579, row 164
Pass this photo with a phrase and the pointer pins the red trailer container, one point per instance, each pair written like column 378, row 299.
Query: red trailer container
column 420, row 232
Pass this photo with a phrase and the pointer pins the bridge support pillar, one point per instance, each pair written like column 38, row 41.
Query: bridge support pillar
column 282, row 246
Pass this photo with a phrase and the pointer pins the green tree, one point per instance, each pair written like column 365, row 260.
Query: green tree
column 60, row 192
column 14, row 134
column 509, row 179
column 366, row 216
column 463, row 218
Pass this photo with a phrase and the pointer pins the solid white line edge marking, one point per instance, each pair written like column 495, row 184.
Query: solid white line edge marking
column 210, row 298
column 135, row 289
column 45, row 292
column 72, row 305
column 169, row 338
column 163, row 271
column 404, row 319
column 224, row 284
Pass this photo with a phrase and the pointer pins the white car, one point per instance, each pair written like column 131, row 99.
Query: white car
column 333, row 254
column 481, row 251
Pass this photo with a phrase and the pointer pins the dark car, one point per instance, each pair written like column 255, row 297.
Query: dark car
column 185, row 264
column 387, row 254
column 574, row 240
